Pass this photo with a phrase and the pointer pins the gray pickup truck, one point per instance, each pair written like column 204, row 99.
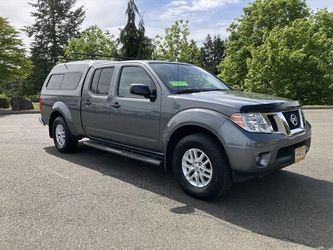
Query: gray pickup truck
column 173, row 115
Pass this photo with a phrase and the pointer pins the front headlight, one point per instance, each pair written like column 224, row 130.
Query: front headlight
column 252, row 122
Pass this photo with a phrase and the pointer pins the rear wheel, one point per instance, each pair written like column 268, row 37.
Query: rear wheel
column 201, row 166
column 64, row 141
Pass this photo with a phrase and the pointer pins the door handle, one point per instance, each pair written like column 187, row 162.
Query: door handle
column 87, row 102
column 116, row 105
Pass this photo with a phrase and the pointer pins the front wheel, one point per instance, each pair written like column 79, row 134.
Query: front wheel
column 64, row 141
column 201, row 166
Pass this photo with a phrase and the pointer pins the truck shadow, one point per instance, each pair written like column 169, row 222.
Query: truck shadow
column 286, row 205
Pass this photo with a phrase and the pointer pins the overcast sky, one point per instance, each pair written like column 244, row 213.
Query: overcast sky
column 205, row 16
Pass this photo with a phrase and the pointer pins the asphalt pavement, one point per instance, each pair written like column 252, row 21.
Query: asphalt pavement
column 92, row 199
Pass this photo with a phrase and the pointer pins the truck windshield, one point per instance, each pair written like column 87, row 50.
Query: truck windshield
column 184, row 78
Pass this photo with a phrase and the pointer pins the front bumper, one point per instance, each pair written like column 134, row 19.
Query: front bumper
column 244, row 148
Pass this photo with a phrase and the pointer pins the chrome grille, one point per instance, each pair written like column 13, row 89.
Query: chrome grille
column 285, row 122
column 293, row 119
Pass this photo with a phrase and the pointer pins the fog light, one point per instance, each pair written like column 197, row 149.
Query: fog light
column 262, row 160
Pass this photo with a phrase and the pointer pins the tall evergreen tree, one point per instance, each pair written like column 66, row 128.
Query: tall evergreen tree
column 55, row 23
column 212, row 53
column 146, row 47
column 218, row 52
column 134, row 43
column 207, row 52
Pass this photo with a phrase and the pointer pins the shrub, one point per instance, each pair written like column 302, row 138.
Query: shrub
column 4, row 101
column 20, row 103
column 33, row 98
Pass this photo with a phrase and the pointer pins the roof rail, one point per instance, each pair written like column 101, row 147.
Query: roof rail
column 89, row 56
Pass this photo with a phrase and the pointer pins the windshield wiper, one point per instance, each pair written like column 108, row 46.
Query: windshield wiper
column 183, row 91
column 205, row 90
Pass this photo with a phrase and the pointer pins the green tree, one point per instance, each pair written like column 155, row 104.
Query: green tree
column 55, row 23
column 14, row 64
column 212, row 53
column 194, row 53
column 249, row 31
column 296, row 61
column 146, row 47
column 175, row 44
column 93, row 43
column 134, row 43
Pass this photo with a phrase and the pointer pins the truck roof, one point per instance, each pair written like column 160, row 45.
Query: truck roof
column 98, row 62
column 84, row 65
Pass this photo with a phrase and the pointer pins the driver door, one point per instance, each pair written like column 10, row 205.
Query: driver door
column 135, row 120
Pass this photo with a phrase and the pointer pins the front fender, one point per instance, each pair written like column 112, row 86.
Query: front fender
column 205, row 118
column 64, row 110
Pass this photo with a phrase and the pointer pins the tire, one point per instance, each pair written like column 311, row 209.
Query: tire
column 64, row 141
column 205, row 180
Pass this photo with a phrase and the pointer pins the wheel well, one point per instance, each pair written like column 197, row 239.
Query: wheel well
column 53, row 116
column 181, row 133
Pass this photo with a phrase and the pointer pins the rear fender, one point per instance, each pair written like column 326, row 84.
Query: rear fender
column 66, row 114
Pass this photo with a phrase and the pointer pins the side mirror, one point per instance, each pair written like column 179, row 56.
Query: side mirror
column 141, row 89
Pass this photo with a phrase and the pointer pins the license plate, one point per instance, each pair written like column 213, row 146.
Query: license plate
column 300, row 153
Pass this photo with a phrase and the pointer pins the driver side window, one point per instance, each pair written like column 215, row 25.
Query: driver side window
column 130, row 75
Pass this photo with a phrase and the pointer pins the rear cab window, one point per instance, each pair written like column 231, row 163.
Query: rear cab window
column 101, row 81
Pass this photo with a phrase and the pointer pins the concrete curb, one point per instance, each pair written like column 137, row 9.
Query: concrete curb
column 318, row 107
column 16, row 112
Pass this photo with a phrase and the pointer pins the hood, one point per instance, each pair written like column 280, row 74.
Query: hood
column 237, row 101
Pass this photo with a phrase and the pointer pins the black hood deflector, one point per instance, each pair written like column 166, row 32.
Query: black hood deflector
column 271, row 107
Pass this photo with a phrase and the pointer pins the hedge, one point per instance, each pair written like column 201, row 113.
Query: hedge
column 33, row 98
column 4, row 101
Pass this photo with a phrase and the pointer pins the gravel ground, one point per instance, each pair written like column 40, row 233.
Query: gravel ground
column 92, row 199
